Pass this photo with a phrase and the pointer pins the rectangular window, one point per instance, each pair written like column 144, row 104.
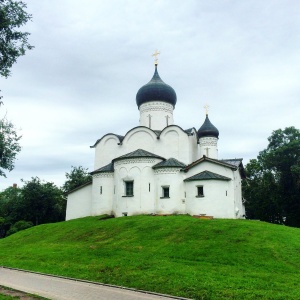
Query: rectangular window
column 101, row 190
column 165, row 192
column 128, row 188
column 200, row 191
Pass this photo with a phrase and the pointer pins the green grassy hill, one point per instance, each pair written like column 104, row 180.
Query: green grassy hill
column 178, row 255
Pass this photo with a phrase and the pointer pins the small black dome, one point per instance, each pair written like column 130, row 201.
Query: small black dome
column 156, row 90
column 208, row 129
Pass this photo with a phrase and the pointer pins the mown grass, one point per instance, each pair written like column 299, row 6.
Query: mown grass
column 178, row 255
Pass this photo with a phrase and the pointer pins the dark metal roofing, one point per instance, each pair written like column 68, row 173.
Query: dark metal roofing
column 237, row 162
column 105, row 169
column 208, row 129
column 157, row 132
column 212, row 160
column 190, row 131
column 234, row 161
column 138, row 153
column 156, row 90
column 207, row 175
column 169, row 163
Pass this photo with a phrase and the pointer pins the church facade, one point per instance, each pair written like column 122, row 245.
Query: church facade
column 160, row 168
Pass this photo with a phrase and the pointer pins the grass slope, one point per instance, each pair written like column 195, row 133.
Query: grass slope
column 179, row 255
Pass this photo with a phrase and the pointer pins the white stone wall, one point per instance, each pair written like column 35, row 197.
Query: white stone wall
column 239, row 207
column 218, row 200
column 156, row 115
column 141, row 173
column 102, row 197
column 172, row 178
column 106, row 150
column 79, row 203
column 212, row 167
column 209, row 147
column 172, row 142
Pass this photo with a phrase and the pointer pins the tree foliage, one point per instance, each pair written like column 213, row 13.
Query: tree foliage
column 43, row 202
column 77, row 177
column 9, row 146
column 272, row 190
column 13, row 42
column 18, row 226
column 37, row 202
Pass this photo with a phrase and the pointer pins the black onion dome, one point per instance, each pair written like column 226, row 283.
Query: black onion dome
column 208, row 129
column 156, row 90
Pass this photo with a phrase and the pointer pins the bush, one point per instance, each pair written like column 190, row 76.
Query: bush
column 18, row 226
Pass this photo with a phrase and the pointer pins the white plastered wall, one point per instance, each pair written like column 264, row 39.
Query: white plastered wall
column 103, row 187
column 139, row 171
column 172, row 178
column 79, row 203
column 209, row 147
column 172, row 142
column 218, row 200
column 156, row 115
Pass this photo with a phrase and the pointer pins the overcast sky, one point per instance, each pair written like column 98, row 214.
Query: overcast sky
column 242, row 58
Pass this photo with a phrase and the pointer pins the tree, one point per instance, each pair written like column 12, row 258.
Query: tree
column 77, row 177
column 273, row 187
column 9, row 146
column 43, row 202
column 11, row 208
column 18, row 226
column 13, row 42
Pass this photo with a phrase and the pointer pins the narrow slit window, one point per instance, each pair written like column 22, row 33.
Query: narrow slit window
column 101, row 190
column 200, row 191
column 165, row 192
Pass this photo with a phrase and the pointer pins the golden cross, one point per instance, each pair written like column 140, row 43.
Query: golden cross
column 206, row 108
column 155, row 54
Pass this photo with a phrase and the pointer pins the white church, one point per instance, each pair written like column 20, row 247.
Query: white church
column 160, row 168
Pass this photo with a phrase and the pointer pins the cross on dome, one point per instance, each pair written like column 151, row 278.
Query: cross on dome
column 155, row 54
column 206, row 107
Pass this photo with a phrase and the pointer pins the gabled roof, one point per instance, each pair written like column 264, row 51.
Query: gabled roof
column 169, row 163
column 138, row 153
column 238, row 163
column 212, row 160
column 105, row 169
column 207, row 175
column 190, row 131
column 233, row 161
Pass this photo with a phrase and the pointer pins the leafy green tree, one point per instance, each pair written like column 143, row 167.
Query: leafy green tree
column 18, row 226
column 9, row 146
column 11, row 208
column 43, row 202
column 261, row 194
column 13, row 42
column 77, row 177
column 2, row 227
column 273, row 187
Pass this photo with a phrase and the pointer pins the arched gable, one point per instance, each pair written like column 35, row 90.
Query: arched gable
column 119, row 139
column 139, row 137
column 106, row 149
column 178, row 143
